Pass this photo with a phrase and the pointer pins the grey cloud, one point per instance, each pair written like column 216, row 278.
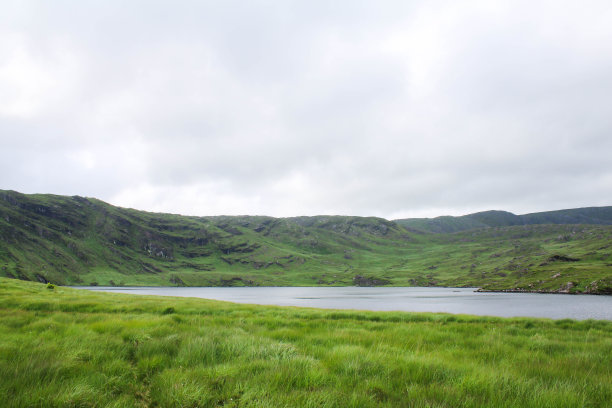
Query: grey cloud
column 289, row 108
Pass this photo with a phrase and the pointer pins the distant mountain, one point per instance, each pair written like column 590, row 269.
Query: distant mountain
column 486, row 219
column 588, row 215
column 85, row 241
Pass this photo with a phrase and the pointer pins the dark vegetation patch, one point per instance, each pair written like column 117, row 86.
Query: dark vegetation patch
column 562, row 258
column 359, row 280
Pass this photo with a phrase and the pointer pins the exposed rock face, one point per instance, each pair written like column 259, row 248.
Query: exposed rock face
column 242, row 248
column 359, row 280
column 236, row 281
column 175, row 280
column 41, row 278
column 600, row 287
column 154, row 249
column 567, row 287
column 229, row 229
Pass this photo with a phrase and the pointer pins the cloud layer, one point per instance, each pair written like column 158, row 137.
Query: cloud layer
column 292, row 108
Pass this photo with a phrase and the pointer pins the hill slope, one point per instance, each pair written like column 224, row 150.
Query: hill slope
column 76, row 240
column 486, row 219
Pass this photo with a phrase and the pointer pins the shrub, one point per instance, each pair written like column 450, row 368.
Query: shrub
column 168, row 310
column 50, row 286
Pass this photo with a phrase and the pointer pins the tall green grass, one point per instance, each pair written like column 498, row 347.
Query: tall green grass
column 67, row 348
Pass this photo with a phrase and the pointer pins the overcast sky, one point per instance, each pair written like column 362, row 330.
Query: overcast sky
column 386, row 108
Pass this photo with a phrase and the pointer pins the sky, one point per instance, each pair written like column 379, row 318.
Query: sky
column 374, row 108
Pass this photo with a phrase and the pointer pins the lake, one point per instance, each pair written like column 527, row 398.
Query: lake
column 447, row 300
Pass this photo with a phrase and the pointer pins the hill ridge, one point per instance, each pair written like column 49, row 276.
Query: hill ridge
column 498, row 218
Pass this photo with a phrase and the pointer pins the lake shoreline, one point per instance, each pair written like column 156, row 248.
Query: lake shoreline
column 542, row 292
column 405, row 299
column 479, row 290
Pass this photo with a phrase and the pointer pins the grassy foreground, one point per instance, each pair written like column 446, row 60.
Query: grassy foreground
column 64, row 347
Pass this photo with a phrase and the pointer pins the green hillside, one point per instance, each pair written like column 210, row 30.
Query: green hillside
column 590, row 215
column 486, row 219
column 76, row 240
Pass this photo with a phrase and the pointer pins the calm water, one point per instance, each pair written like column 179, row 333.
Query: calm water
column 449, row 300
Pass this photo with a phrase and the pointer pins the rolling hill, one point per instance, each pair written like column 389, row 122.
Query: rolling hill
column 487, row 219
column 85, row 241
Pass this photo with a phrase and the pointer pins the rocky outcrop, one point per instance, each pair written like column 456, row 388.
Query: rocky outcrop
column 236, row 281
column 359, row 280
column 600, row 287
column 175, row 280
column 597, row 287
column 567, row 287
column 562, row 258
column 241, row 248
column 154, row 249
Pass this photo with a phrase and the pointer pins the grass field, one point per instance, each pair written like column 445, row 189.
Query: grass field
column 62, row 347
